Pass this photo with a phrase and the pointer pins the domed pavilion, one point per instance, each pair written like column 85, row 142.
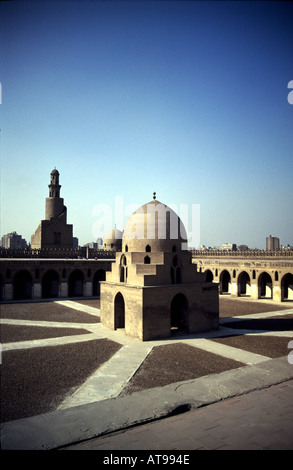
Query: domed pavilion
column 153, row 289
column 113, row 240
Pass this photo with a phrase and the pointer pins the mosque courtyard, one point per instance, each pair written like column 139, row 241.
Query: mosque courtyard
column 57, row 355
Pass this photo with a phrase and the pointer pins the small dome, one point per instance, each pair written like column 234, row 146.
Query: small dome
column 54, row 172
column 113, row 240
column 154, row 227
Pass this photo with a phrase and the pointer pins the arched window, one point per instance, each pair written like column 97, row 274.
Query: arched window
column 147, row 260
column 148, row 249
column 175, row 261
column 123, row 260
column 123, row 269
column 276, row 276
column 126, row 248
column 121, row 273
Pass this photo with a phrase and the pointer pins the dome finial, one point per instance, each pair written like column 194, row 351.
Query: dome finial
column 154, row 195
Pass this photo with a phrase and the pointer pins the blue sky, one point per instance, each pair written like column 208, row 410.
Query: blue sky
column 188, row 99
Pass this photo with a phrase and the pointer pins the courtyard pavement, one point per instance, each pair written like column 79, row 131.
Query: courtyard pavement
column 249, row 407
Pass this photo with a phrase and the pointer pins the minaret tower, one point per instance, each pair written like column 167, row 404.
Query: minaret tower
column 54, row 186
column 55, row 208
column 53, row 232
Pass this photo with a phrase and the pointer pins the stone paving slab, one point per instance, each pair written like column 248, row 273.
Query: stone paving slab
column 108, row 381
column 70, row 426
column 78, row 306
column 89, row 414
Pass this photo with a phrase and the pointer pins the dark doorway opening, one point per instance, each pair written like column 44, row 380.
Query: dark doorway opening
column 225, row 282
column 75, row 284
column 287, row 287
column 179, row 313
column 209, row 275
column 99, row 276
column 243, row 284
column 119, row 311
column 22, row 285
column 265, row 286
column 50, row 284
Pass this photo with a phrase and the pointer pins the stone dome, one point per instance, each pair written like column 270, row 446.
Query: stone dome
column 154, row 227
column 113, row 240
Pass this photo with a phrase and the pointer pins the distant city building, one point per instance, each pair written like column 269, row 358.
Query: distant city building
column 272, row 243
column 13, row 240
column 286, row 248
column 205, row 248
column 75, row 243
column 228, row 247
column 91, row 245
column 243, row 247
column 53, row 232
column 100, row 243
column 97, row 245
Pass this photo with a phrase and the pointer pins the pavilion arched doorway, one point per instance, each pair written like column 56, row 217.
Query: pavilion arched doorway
column 119, row 311
column 179, row 313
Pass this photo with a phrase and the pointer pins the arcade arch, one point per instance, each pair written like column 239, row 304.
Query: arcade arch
column 244, row 284
column 225, row 282
column 75, row 284
column 50, row 284
column 22, row 285
column 99, row 275
column 287, row 287
column 209, row 275
column 1, row 287
column 265, row 284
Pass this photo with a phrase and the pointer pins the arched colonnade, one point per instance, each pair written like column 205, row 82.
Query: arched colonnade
column 257, row 284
